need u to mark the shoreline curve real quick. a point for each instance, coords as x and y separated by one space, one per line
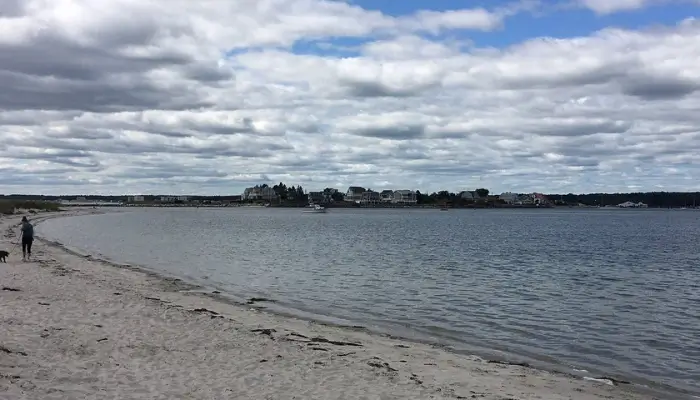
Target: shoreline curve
493 367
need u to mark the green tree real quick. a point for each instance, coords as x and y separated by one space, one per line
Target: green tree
334 194
443 194
337 196
281 190
420 197
482 192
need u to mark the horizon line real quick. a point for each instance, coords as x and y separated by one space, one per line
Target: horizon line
697 192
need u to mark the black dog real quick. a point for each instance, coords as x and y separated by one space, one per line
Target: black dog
3 255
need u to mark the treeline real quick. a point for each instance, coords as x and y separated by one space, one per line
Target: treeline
298 194
147 198
652 199
447 197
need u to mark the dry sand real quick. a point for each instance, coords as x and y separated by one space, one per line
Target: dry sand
76 328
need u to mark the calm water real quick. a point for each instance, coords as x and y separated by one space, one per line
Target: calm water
611 291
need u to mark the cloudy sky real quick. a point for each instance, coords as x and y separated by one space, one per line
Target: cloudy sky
211 96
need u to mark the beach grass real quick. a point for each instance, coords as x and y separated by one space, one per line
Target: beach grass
9 207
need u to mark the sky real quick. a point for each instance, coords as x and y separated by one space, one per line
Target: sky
209 97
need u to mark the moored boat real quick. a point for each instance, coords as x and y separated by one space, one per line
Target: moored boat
315 209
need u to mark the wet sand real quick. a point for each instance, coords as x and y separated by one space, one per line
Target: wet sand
72 327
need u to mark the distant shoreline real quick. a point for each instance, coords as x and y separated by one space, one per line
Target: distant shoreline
372 207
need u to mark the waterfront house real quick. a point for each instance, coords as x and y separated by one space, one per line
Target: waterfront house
251 193
405 197
630 204
469 195
317 197
466 195
135 199
259 193
174 199
354 193
331 194
370 197
540 199
386 196
509 197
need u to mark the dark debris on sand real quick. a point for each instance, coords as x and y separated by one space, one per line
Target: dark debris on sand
320 339
382 365
254 300
205 310
264 331
517 364
7 350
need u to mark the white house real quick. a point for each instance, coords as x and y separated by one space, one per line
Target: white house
405 197
135 199
354 193
469 195
540 199
370 197
509 197
526 199
259 193
386 196
629 204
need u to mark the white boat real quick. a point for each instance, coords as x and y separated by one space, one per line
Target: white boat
315 209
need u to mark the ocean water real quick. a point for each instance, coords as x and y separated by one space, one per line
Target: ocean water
613 292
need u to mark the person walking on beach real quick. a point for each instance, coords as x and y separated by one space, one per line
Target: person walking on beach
27 238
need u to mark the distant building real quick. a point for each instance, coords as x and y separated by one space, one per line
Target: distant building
317 197
173 199
509 197
331 194
405 197
259 193
469 195
135 199
466 195
540 199
525 199
354 193
369 197
386 196
629 204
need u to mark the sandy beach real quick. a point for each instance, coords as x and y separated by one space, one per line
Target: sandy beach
77 328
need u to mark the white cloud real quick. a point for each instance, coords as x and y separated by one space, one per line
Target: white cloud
611 6
434 21
184 97
607 7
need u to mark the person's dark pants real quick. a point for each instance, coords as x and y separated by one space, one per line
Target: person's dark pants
27 246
